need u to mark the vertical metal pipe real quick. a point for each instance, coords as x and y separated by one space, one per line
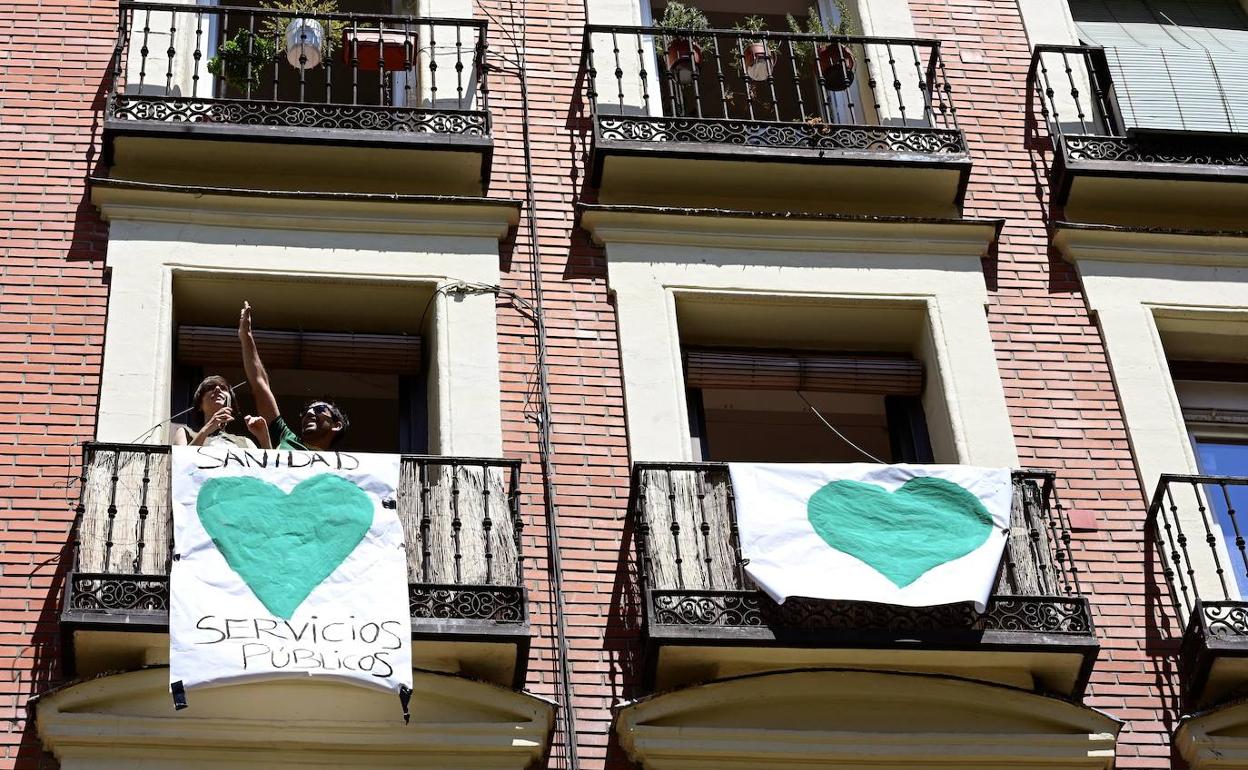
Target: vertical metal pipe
456 522
355 61
1171 543
198 55
675 528
797 80
720 77
708 582
517 522
171 52
426 520
1239 538
1074 93
112 510
619 70
143 511
381 64
924 85
1181 538
901 95
144 50
1211 539
487 524
433 66
459 66
739 47
641 73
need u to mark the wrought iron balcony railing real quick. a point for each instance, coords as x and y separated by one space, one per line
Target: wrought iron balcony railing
1199 525
247 68
694 575
770 90
460 516
1092 118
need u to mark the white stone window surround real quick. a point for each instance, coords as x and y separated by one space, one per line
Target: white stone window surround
1136 282
149 244
649 271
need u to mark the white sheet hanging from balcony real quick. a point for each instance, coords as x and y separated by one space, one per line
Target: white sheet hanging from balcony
1177 64
913 535
287 564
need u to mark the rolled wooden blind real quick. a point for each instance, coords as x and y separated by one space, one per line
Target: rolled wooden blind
802 370
365 353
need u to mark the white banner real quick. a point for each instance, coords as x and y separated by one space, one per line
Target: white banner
913 535
287 564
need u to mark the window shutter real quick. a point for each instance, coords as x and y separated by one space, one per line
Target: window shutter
210 346
1177 64
801 370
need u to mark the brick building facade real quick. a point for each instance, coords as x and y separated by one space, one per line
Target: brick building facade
1029 215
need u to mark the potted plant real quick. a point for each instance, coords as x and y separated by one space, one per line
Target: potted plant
757 53
683 51
307 39
240 59
835 60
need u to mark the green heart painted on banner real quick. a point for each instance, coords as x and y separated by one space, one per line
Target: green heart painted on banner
283 545
925 523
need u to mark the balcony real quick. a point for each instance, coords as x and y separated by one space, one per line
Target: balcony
1170 157
330 101
772 121
705 620
1196 536
462 521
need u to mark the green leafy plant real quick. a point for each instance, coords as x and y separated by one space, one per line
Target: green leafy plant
804 50
678 16
240 60
753 25
274 27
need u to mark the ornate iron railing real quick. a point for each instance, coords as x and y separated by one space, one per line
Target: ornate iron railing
769 89
460 516
232 66
1199 525
694 574
1073 91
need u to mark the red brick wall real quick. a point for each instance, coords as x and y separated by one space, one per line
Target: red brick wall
1053 365
52 309
53 59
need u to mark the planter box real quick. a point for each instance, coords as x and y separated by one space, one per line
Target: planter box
394 47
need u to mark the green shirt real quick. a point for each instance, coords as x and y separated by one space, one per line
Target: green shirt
282 436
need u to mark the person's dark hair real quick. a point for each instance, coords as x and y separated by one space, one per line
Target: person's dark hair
335 413
208 384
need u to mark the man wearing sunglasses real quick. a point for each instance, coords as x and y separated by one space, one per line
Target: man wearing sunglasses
321 423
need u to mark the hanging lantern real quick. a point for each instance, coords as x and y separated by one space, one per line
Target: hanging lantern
304 40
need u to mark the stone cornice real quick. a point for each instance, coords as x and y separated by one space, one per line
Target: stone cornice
292 210
1140 244
787 231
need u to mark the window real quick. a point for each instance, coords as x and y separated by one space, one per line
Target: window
1177 64
804 406
1216 414
357 345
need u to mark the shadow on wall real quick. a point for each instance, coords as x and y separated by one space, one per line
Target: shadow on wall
622 639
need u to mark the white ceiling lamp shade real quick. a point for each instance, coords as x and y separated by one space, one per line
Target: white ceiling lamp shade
305 38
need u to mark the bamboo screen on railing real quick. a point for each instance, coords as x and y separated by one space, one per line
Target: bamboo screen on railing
746 368
686 521
459 516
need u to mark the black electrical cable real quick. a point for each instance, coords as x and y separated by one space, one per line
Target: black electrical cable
544 417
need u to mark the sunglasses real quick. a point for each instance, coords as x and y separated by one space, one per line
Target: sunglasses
320 408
